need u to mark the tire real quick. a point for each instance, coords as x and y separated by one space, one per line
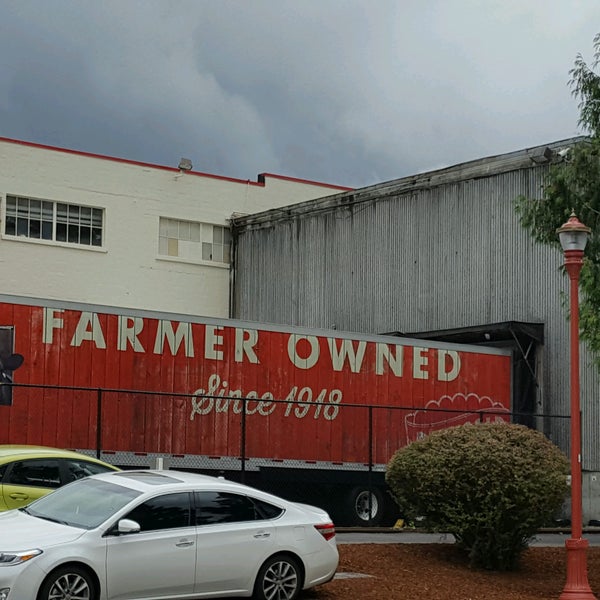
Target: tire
68 583
357 506
280 578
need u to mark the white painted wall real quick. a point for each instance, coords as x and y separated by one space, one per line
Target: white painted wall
127 271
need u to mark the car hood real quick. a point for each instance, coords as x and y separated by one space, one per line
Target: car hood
20 531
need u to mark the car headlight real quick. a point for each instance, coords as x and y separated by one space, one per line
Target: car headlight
16 558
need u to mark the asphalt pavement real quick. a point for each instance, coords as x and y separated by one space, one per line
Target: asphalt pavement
555 538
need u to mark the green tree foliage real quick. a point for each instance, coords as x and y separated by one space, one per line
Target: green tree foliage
491 485
574 185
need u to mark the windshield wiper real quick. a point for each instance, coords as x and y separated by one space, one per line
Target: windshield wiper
49 519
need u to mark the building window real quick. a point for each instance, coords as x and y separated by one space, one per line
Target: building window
54 221
194 241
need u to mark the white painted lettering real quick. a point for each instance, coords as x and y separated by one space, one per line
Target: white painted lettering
420 361
346 352
309 361
51 322
129 328
452 373
394 361
213 338
174 339
245 340
89 329
217 399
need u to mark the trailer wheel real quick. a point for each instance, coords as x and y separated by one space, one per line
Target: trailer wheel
358 501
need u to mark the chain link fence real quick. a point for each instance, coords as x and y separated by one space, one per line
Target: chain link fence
314 450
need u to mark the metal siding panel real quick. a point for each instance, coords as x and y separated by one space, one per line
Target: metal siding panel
450 256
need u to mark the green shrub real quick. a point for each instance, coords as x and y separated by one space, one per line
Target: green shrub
491 485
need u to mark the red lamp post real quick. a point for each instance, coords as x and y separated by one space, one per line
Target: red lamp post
573 239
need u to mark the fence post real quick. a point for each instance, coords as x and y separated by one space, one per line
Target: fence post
370 480
98 422
243 442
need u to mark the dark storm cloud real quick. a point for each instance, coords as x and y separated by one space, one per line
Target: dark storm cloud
345 91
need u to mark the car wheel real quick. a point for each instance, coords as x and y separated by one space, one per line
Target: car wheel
364 506
280 578
68 583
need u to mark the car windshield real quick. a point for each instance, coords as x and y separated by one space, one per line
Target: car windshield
86 503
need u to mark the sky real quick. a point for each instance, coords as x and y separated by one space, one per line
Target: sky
348 92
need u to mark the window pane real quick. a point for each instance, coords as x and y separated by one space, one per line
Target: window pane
85 235
11 205
73 234
195 232
163 226
184 231
266 510
226 236
223 507
35 229
61 213
163 512
227 254
217 255
96 236
47 210
217 234
206 251
23 207
35 209
173 247
86 215
61 232
77 469
173 228
163 246
22 227
10 225
36 473
46 230
73 214
96 217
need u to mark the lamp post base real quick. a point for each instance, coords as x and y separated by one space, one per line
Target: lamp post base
577 586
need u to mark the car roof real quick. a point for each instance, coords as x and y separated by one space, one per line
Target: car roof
10 451
149 480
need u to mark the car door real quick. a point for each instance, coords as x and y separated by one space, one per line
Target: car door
26 480
234 539
159 560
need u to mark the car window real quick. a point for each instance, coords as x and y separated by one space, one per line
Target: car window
168 511
36 472
266 510
225 507
79 468
2 471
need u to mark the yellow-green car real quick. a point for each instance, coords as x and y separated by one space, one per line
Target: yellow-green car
28 472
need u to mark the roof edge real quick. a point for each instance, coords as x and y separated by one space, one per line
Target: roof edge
260 181
535 156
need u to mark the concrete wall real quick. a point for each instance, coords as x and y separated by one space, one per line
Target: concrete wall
127 270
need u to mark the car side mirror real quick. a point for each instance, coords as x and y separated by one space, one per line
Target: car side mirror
127 526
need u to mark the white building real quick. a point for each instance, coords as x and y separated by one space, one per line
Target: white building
90 228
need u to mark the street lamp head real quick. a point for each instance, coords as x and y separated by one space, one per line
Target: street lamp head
573 234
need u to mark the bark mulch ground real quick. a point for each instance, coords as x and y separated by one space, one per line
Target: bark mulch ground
438 572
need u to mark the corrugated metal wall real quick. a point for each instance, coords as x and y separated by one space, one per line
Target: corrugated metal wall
445 256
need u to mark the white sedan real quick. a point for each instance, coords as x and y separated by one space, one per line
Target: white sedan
163 534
